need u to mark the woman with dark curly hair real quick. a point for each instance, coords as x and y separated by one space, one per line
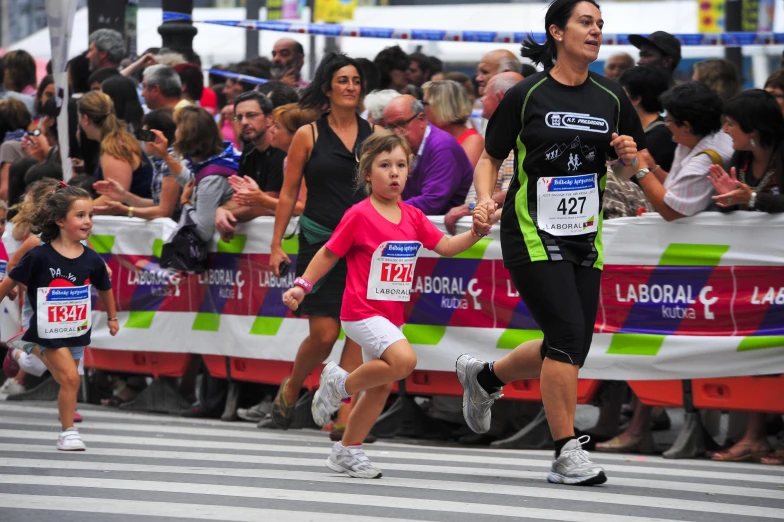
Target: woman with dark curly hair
19 72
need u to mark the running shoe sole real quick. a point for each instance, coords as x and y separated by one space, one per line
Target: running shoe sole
340 469
593 480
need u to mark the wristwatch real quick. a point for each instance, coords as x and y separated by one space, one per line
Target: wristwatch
753 200
641 173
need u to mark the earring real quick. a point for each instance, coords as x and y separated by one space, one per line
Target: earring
752 142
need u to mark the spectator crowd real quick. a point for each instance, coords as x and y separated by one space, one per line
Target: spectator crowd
156 137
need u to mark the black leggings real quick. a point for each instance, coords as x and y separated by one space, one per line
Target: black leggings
563 299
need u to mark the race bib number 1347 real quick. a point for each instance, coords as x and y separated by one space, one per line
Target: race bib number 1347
63 312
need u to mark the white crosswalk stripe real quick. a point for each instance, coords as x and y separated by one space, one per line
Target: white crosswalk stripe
142 466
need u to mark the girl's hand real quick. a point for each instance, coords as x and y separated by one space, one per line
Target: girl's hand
114 327
293 297
721 181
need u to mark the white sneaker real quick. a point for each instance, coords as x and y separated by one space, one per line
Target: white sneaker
573 466
11 387
476 401
327 398
70 441
352 460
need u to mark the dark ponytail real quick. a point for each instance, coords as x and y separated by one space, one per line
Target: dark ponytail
542 54
558 14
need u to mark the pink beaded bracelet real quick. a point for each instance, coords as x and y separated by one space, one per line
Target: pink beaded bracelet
303 283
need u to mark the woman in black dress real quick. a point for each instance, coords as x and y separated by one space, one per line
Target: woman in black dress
326 154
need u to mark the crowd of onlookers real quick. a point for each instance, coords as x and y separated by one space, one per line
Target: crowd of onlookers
156 136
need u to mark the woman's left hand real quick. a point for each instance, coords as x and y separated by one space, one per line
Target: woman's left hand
625 148
739 196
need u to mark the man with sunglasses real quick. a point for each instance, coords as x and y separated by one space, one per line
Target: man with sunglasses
440 174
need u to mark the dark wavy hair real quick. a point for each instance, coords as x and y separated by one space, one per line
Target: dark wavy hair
757 110
558 14
696 103
56 207
314 96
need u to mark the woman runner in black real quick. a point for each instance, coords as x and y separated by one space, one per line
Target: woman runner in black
565 124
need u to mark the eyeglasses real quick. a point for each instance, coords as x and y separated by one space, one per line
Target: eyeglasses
401 125
247 116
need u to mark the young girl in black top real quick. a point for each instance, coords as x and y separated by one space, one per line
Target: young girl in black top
58 276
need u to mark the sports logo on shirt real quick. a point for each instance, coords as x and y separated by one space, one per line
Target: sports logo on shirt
576 121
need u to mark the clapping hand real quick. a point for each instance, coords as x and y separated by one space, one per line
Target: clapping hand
721 181
246 190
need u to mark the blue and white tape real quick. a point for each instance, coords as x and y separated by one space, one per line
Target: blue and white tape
440 35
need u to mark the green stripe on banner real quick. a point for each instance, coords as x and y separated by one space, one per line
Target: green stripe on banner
290 246
636 344
206 322
102 244
683 254
266 326
512 338
477 251
424 333
235 246
760 342
140 319
157 248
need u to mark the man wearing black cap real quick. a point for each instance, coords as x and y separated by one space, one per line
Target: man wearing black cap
660 49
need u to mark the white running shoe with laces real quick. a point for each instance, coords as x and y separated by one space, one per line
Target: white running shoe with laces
476 401
352 460
70 441
327 398
574 467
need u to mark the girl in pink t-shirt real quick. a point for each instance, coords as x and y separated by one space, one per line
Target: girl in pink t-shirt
381 238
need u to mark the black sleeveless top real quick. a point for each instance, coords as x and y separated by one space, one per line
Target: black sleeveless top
330 174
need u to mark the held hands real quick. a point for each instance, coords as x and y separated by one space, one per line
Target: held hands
293 296
625 149
483 215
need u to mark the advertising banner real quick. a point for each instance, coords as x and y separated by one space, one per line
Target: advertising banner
703 297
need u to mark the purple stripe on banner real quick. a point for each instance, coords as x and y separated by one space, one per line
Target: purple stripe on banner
428 309
148 297
273 306
222 267
522 319
773 323
649 317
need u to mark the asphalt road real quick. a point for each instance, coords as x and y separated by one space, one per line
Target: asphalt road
159 468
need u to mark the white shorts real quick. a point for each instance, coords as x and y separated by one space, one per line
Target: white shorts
374 335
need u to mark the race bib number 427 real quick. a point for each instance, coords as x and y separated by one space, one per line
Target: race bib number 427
568 205
63 312
392 270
